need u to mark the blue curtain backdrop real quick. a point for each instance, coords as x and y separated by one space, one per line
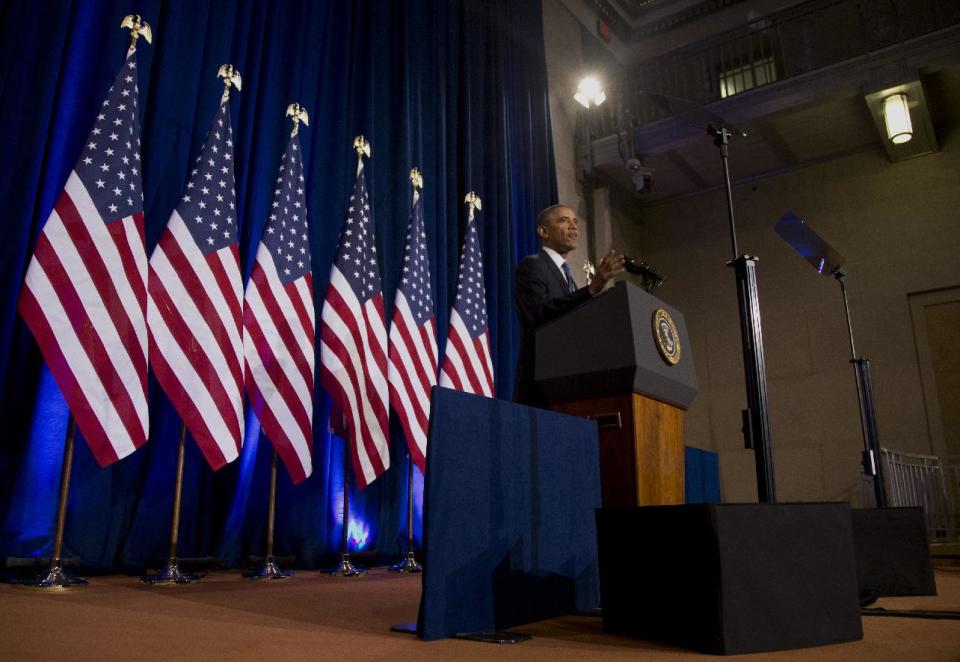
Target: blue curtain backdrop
456 87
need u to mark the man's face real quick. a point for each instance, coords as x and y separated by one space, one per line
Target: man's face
560 230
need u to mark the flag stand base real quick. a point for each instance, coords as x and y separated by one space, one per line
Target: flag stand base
269 570
55 578
169 575
345 568
409 565
494 637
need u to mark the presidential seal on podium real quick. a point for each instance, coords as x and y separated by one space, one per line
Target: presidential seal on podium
667 337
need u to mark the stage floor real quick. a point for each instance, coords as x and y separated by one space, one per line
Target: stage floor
316 617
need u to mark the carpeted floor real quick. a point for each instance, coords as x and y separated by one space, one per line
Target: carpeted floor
316 617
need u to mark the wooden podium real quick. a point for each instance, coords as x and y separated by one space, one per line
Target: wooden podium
623 359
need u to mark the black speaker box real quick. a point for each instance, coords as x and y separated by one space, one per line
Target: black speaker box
732 578
893 557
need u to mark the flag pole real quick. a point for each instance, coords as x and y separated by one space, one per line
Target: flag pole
346 568
171 573
409 564
55 578
270 569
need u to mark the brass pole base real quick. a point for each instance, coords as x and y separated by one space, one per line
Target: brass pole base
409 564
345 568
169 575
269 570
55 579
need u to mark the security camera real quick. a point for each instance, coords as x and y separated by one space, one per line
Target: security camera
642 182
641 175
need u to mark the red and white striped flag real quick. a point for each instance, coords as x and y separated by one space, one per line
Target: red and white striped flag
353 340
195 294
412 370
278 323
467 365
84 295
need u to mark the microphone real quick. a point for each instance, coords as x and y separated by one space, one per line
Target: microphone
651 279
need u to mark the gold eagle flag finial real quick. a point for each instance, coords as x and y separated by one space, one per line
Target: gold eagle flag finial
416 181
231 77
138 27
362 147
299 114
473 204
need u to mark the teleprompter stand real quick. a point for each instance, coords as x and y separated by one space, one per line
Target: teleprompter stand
828 262
756 420
868 415
892 552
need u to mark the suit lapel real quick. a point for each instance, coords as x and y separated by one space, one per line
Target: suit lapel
558 278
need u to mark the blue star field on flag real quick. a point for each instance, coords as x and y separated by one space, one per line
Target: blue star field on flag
285 234
109 165
415 281
471 294
209 205
357 257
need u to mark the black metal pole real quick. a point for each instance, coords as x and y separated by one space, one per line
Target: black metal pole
868 417
722 140
841 277
756 420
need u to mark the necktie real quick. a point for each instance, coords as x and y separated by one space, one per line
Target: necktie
571 286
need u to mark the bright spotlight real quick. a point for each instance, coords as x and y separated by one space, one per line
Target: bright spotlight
589 91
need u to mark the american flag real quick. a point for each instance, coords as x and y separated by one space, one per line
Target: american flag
412 371
195 293
278 323
467 365
84 295
353 340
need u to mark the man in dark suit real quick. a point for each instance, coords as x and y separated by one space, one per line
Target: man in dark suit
545 290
